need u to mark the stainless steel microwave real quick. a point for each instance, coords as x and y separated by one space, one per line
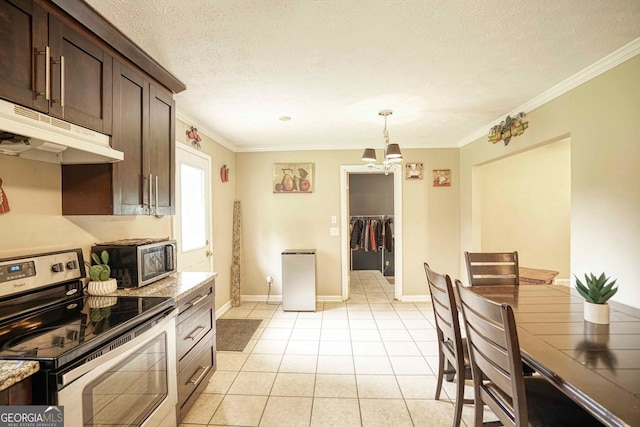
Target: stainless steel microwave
138 262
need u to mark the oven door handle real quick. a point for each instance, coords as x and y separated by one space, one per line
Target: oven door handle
77 372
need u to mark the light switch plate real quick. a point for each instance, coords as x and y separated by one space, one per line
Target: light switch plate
334 219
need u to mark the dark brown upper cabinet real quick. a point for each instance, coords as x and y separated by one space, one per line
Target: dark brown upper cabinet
81 78
23 49
161 150
48 65
144 129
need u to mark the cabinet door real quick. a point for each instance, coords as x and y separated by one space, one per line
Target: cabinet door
23 33
161 150
130 131
81 74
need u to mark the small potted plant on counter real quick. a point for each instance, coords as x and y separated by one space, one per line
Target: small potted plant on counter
596 292
101 282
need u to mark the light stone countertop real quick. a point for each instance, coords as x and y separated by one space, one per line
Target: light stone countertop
176 286
14 371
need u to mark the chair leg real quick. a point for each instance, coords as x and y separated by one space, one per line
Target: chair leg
440 374
478 407
459 400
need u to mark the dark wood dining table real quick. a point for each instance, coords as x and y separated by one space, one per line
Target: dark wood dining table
598 366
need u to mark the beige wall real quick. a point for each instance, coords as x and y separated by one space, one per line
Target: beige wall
274 222
601 117
35 222
222 196
526 206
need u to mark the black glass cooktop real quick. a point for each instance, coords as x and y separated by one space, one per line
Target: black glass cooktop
71 329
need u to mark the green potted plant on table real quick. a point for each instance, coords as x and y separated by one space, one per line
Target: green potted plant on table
596 291
101 282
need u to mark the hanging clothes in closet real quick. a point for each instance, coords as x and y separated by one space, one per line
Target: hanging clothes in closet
388 234
371 233
371 242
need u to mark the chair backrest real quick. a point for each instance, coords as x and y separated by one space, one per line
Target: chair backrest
492 268
495 357
445 310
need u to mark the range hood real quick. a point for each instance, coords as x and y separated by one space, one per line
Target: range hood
36 136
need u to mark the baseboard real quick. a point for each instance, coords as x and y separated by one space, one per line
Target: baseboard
222 310
260 298
278 298
329 298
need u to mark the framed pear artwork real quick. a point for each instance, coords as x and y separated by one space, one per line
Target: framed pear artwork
293 178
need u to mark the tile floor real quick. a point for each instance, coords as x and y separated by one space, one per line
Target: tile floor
367 362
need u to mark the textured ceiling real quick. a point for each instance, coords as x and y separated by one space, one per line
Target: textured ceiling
446 68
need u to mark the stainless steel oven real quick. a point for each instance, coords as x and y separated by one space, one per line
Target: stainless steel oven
108 360
131 385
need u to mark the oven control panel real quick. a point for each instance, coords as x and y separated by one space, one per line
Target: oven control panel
17 270
33 272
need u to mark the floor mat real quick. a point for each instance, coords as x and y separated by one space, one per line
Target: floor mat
234 334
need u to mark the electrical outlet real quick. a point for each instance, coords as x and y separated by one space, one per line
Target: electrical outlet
386 263
269 281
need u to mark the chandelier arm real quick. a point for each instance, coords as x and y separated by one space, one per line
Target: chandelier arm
385 133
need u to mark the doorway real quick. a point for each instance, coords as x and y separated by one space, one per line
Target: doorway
371 222
524 203
345 173
192 221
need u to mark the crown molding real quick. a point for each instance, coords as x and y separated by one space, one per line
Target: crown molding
614 59
189 120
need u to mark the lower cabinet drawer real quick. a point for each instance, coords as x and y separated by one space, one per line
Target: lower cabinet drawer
192 329
194 372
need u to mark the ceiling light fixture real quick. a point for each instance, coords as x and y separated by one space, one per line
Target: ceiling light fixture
392 154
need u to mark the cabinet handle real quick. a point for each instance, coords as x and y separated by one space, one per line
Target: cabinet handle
61 62
150 193
156 209
47 73
202 370
194 333
62 81
197 300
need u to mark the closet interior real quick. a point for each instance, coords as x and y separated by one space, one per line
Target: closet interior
371 239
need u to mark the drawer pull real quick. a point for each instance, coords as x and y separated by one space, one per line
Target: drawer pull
194 333
202 370
197 300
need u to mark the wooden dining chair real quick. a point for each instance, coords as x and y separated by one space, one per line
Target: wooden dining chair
492 268
451 346
498 380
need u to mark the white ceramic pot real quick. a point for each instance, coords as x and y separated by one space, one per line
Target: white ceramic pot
596 313
104 287
101 302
